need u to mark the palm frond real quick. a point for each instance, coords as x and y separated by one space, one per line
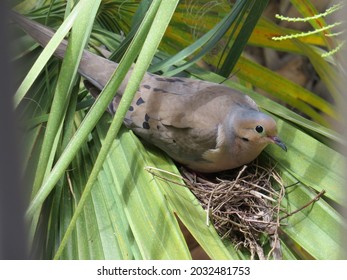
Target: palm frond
92 197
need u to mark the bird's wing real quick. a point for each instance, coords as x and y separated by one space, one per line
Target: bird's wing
185 123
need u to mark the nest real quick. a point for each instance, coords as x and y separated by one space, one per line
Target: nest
243 206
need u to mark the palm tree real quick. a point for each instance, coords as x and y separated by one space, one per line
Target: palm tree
92 196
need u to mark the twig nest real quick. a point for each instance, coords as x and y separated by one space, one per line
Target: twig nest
243 205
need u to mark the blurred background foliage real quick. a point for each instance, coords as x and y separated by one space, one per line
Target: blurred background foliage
125 213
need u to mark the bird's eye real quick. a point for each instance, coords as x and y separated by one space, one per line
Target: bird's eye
259 129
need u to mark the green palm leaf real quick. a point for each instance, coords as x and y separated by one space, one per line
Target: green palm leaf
95 198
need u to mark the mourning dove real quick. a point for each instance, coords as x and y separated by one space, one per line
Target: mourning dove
205 126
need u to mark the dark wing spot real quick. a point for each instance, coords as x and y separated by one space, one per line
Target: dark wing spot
140 101
159 90
146 118
147 86
179 80
131 108
145 125
169 80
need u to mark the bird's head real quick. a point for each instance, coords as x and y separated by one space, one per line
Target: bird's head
256 129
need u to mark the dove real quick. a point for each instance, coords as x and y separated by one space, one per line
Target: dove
204 126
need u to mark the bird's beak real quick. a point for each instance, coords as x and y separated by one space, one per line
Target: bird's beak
276 140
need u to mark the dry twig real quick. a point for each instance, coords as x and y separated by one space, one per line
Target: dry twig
242 205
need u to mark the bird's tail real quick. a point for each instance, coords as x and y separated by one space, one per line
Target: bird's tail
96 69
40 33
